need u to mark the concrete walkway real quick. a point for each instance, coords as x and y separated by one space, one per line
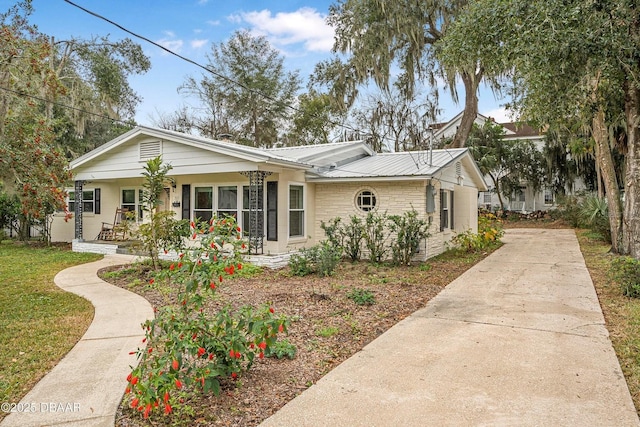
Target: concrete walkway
86 387
517 340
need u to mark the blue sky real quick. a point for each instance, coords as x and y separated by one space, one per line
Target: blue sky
189 27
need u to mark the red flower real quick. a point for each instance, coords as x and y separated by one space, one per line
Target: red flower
232 353
238 355
199 262
262 345
210 356
201 351
151 281
238 228
178 384
194 235
261 355
181 255
239 266
129 376
280 328
194 336
150 350
147 410
244 246
179 265
127 390
134 380
213 245
215 258
234 375
271 310
167 409
192 224
220 278
172 267
175 365
134 402
211 228
166 251
166 396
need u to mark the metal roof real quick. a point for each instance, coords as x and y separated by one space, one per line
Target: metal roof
395 165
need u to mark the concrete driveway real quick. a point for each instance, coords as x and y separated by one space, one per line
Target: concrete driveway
519 339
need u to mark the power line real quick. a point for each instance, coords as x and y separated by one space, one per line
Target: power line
228 79
28 95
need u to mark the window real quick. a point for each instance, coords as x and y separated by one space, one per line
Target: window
131 200
520 194
296 211
203 204
227 201
444 209
548 196
487 197
88 201
366 200
246 209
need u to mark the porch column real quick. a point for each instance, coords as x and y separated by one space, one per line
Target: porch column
256 210
77 211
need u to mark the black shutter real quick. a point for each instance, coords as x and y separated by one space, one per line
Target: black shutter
451 212
272 211
96 201
442 216
186 201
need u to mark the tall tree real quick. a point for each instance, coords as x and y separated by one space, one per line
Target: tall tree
378 35
314 120
248 93
572 61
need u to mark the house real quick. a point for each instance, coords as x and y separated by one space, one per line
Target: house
526 200
280 196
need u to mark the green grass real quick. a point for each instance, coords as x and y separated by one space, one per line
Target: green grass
622 314
39 323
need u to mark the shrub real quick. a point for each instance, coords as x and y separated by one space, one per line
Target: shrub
594 214
302 263
489 234
410 231
362 296
626 271
375 236
189 351
333 232
352 236
322 259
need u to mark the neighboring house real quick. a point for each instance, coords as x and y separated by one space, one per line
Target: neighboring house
280 196
526 200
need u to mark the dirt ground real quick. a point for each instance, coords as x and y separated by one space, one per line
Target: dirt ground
326 328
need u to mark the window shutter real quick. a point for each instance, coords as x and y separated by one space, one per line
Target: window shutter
96 201
442 218
451 211
272 211
186 201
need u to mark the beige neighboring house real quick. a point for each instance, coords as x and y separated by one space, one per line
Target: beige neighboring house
526 200
280 196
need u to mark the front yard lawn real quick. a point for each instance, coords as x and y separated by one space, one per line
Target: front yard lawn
39 322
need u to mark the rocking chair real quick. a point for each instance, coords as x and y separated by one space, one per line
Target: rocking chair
114 231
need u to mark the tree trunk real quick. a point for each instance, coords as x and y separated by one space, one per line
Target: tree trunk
471 82
604 161
631 223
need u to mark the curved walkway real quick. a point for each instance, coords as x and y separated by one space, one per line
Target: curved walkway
86 387
519 339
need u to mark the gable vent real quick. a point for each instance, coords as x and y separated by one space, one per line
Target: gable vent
458 168
150 149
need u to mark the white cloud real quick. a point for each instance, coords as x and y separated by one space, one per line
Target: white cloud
500 115
213 23
198 43
203 2
306 26
172 45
